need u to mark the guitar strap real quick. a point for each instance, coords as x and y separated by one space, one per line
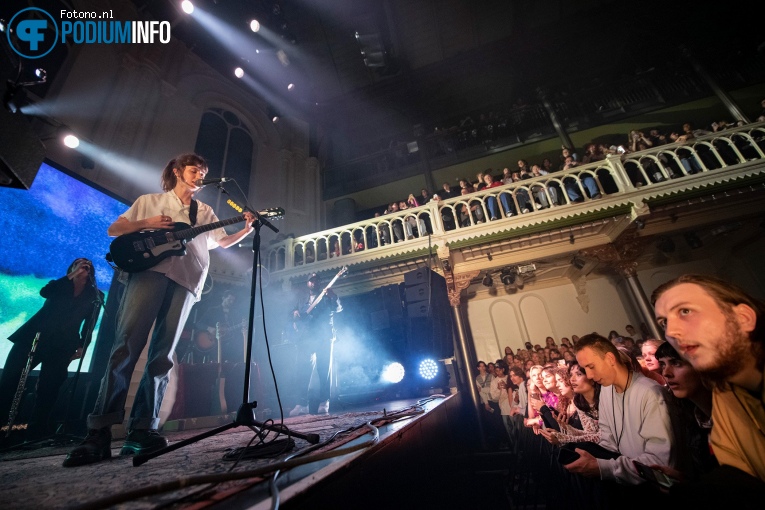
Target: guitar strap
193 208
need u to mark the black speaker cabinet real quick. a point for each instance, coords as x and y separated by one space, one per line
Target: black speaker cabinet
21 152
428 314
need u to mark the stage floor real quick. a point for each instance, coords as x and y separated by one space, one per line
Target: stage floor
34 478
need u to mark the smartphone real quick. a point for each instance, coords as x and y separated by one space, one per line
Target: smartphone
653 475
566 456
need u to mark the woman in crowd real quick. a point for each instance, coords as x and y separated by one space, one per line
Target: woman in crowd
483 381
586 397
648 350
536 393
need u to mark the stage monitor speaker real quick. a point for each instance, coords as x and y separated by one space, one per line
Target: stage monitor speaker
21 151
429 319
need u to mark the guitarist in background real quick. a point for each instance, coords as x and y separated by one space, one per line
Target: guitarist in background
164 293
316 335
224 324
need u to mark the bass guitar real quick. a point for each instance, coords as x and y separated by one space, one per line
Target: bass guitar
304 314
139 251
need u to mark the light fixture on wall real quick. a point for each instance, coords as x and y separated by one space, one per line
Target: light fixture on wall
578 262
487 281
508 276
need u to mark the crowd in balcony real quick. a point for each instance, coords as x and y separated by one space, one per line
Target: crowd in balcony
576 187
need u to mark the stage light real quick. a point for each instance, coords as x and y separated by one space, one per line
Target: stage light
254 25
428 369
693 241
291 86
487 281
187 6
393 373
578 262
71 141
238 72
275 119
41 73
508 276
2 25
640 224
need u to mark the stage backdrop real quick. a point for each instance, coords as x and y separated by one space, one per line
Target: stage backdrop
59 219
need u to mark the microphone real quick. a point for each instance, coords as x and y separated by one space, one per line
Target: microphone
205 182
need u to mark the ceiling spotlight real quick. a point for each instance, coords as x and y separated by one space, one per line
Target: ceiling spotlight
71 141
578 262
2 25
666 245
393 373
275 119
640 224
254 25
187 6
571 238
238 72
693 240
428 369
291 86
487 281
41 73
508 276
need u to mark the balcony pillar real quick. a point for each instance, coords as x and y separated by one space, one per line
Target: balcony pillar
562 134
464 353
735 111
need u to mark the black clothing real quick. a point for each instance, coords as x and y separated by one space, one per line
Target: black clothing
315 335
65 323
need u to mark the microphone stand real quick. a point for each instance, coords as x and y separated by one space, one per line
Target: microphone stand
245 416
61 438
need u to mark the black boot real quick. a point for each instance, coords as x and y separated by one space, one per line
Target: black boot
142 441
96 447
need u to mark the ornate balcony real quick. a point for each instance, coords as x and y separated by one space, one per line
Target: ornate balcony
619 188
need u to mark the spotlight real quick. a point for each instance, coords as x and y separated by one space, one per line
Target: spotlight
428 369
15 97
187 6
275 119
666 245
238 72
254 25
487 281
578 262
41 73
393 373
71 141
291 86
571 238
640 224
509 276
694 241
2 25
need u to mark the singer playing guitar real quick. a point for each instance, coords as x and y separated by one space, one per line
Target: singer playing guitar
165 293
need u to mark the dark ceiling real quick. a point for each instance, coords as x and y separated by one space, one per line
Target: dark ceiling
430 61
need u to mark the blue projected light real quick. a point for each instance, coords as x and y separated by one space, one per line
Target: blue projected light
46 227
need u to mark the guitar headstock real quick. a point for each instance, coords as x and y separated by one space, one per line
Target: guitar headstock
343 270
272 213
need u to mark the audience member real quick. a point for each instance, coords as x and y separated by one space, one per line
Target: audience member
633 417
719 329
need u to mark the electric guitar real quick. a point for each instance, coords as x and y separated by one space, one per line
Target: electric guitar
305 313
139 251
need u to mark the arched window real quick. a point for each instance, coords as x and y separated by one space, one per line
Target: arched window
226 144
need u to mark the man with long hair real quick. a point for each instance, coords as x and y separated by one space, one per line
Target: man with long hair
718 328
161 296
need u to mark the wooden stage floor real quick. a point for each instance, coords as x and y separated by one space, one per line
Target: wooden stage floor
355 442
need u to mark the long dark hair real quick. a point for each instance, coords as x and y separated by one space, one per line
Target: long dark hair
169 179
580 402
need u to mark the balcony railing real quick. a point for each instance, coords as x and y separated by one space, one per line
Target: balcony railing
613 181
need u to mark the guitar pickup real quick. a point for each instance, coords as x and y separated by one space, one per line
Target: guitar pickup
139 245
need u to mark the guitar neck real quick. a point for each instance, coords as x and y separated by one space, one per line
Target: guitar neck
330 284
190 233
